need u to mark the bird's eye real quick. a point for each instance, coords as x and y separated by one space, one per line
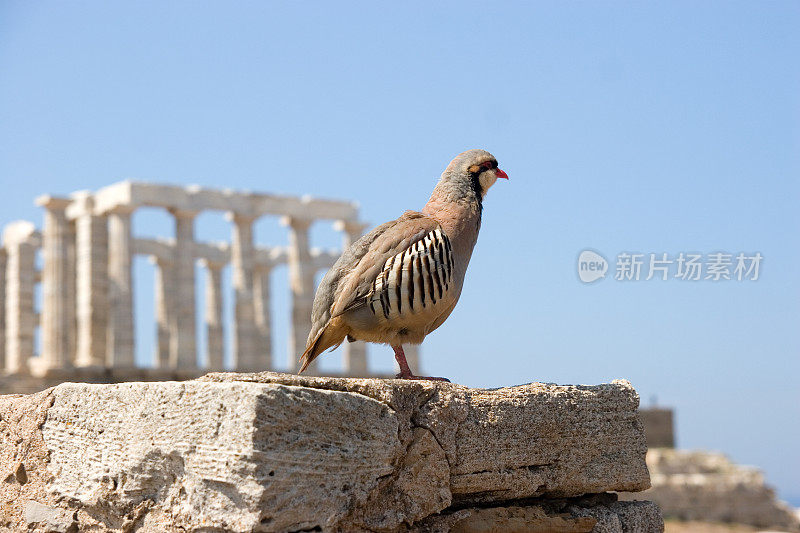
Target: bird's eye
489 164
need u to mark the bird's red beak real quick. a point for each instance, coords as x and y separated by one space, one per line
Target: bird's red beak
500 174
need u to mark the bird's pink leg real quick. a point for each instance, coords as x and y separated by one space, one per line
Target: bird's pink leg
405 371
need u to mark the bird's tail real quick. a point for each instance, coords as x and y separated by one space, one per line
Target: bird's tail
333 334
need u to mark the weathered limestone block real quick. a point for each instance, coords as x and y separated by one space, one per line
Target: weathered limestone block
542 439
227 455
275 452
599 513
556 440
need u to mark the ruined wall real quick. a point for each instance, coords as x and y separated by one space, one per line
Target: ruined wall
707 486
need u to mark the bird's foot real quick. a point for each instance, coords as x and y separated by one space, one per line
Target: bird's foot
401 375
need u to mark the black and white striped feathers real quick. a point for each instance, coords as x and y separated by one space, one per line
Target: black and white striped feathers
415 279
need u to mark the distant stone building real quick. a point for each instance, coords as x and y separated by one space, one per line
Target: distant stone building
85 321
705 485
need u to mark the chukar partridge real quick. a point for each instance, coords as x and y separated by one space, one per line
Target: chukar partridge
400 281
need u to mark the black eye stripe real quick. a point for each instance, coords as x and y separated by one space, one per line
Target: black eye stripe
486 165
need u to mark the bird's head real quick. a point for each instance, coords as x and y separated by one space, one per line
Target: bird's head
476 169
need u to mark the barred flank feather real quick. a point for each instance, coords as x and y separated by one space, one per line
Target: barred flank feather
415 279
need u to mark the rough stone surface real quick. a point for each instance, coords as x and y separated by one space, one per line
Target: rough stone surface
49 519
516 442
599 513
274 452
630 517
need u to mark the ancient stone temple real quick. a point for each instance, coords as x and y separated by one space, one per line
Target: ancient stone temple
85 319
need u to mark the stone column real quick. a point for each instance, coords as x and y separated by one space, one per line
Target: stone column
215 340
21 242
2 310
91 283
71 289
120 289
165 309
301 282
245 349
183 334
58 306
263 323
354 356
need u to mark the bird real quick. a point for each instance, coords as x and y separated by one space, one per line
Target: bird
399 282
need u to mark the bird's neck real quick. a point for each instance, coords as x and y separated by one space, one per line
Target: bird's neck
460 218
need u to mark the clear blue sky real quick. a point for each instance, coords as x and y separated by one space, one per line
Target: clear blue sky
624 127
